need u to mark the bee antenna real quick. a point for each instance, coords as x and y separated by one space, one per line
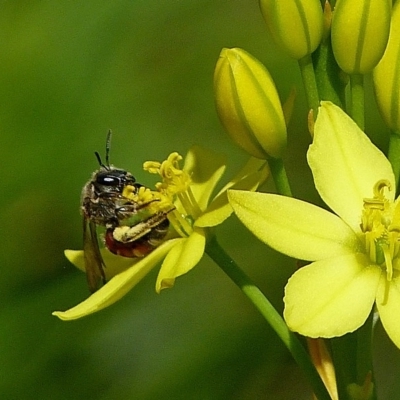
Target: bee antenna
108 147
99 160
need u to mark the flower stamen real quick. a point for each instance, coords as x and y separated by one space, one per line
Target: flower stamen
147 200
180 224
388 262
174 179
382 239
175 185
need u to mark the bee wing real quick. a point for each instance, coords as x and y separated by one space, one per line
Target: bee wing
94 264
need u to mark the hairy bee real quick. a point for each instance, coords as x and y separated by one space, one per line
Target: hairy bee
103 204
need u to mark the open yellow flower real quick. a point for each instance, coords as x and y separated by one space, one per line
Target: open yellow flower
355 250
189 189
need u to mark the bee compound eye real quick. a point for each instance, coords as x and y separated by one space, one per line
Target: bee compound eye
108 180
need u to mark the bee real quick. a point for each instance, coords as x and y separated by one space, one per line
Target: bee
103 204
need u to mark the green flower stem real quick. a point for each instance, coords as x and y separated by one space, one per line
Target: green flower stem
394 156
352 357
344 349
280 178
357 99
254 294
310 83
364 352
328 74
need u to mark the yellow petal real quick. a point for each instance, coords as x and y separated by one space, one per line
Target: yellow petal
360 31
248 104
345 164
250 177
118 286
388 303
386 76
114 264
293 227
296 26
205 169
331 297
181 259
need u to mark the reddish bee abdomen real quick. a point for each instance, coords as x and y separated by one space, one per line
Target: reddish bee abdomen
138 240
137 249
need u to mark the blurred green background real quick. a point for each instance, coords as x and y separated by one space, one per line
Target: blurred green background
69 71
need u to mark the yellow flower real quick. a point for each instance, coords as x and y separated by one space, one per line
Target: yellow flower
248 104
355 251
189 189
386 76
360 31
296 26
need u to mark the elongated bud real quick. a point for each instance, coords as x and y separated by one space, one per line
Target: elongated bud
386 76
248 104
296 26
360 31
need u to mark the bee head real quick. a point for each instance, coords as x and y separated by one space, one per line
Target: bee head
109 179
112 180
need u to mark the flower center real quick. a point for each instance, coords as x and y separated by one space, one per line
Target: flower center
175 185
381 233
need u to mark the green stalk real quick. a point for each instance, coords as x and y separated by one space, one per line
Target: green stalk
328 74
357 108
352 357
261 303
364 352
278 173
310 83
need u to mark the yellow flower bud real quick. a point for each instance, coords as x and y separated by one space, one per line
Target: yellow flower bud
296 26
360 31
248 104
386 76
